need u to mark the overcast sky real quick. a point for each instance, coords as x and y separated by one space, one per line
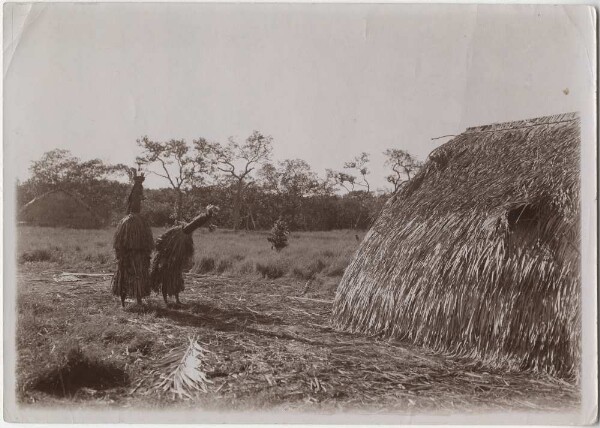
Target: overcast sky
326 81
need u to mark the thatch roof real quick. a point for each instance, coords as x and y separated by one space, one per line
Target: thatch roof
59 208
478 254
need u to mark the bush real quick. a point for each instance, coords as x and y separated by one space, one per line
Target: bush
278 236
337 268
39 255
238 257
205 265
310 270
271 269
104 258
223 265
98 258
328 253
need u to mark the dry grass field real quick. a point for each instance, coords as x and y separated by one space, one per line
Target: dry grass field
263 320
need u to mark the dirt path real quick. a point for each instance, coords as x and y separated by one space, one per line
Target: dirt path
269 348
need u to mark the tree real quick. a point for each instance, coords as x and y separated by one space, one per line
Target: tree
59 168
338 178
235 163
349 181
289 184
176 165
269 177
297 178
404 166
359 164
360 199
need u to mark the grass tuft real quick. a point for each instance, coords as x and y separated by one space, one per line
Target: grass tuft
40 255
224 265
204 265
309 270
272 269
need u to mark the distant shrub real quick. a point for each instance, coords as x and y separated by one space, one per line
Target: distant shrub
279 235
103 258
271 269
336 268
224 265
238 257
302 273
318 265
97 258
205 265
310 270
335 271
39 255
328 253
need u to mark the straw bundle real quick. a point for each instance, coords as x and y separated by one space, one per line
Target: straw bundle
174 252
478 254
133 244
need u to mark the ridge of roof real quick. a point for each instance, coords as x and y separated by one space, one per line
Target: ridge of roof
58 190
527 123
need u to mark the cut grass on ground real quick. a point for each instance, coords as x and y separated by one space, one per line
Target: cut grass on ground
269 342
268 348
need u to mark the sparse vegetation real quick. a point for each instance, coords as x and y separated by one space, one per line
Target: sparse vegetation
272 269
204 265
309 270
220 252
208 173
40 255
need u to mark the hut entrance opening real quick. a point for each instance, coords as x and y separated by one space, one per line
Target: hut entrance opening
523 227
523 217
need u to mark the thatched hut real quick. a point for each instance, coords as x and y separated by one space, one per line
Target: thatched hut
478 254
59 208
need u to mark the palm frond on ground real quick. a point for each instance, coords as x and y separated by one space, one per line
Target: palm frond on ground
180 371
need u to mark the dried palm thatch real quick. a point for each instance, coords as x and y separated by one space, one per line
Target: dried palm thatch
179 372
133 244
174 252
60 208
478 254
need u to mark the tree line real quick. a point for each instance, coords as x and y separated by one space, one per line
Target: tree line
252 189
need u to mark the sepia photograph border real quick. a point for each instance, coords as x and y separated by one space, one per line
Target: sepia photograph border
13 412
